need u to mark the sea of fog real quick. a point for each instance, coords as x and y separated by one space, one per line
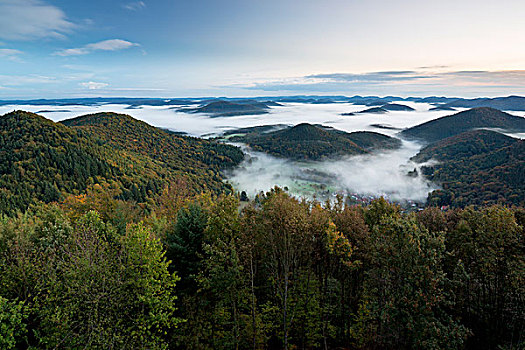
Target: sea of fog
373 175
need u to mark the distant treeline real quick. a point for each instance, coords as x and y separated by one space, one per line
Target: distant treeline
196 272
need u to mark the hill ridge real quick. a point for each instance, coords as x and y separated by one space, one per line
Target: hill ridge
481 117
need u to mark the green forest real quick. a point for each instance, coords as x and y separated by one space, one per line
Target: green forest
198 273
45 161
313 142
118 235
479 167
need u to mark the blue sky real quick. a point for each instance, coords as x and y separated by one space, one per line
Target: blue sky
170 48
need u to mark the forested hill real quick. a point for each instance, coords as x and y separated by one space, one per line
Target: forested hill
465 145
482 117
310 142
181 153
45 161
508 103
479 167
223 108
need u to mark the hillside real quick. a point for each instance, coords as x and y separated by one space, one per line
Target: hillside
397 107
383 108
228 108
376 110
478 167
310 142
508 103
198 159
464 145
44 161
442 108
179 152
444 127
370 140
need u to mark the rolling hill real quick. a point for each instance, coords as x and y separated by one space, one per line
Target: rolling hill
311 142
464 145
442 108
444 127
479 167
44 161
376 110
508 103
397 107
222 108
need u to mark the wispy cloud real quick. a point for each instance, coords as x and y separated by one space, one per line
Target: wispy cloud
434 67
20 80
134 6
106 45
10 54
371 77
92 85
32 19
510 81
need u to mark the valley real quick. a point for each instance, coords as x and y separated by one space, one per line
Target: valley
313 147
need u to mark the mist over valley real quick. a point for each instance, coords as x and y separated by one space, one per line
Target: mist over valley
359 175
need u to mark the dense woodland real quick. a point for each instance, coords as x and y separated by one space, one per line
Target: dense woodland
483 117
221 108
312 142
198 273
118 235
479 167
45 161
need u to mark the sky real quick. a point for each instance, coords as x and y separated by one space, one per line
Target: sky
196 48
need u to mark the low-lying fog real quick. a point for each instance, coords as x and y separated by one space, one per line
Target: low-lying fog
369 175
289 113
379 174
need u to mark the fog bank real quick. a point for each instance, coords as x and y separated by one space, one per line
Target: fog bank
377 174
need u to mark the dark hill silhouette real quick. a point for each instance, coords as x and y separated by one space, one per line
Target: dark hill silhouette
228 108
442 108
508 103
397 107
483 117
311 142
377 110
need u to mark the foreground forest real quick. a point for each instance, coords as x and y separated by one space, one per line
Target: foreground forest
196 272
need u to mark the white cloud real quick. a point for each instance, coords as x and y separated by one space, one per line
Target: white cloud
91 85
32 19
72 52
111 45
10 54
106 45
422 82
134 6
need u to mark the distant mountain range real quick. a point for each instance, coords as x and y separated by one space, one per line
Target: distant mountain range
510 103
482 117
313 142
